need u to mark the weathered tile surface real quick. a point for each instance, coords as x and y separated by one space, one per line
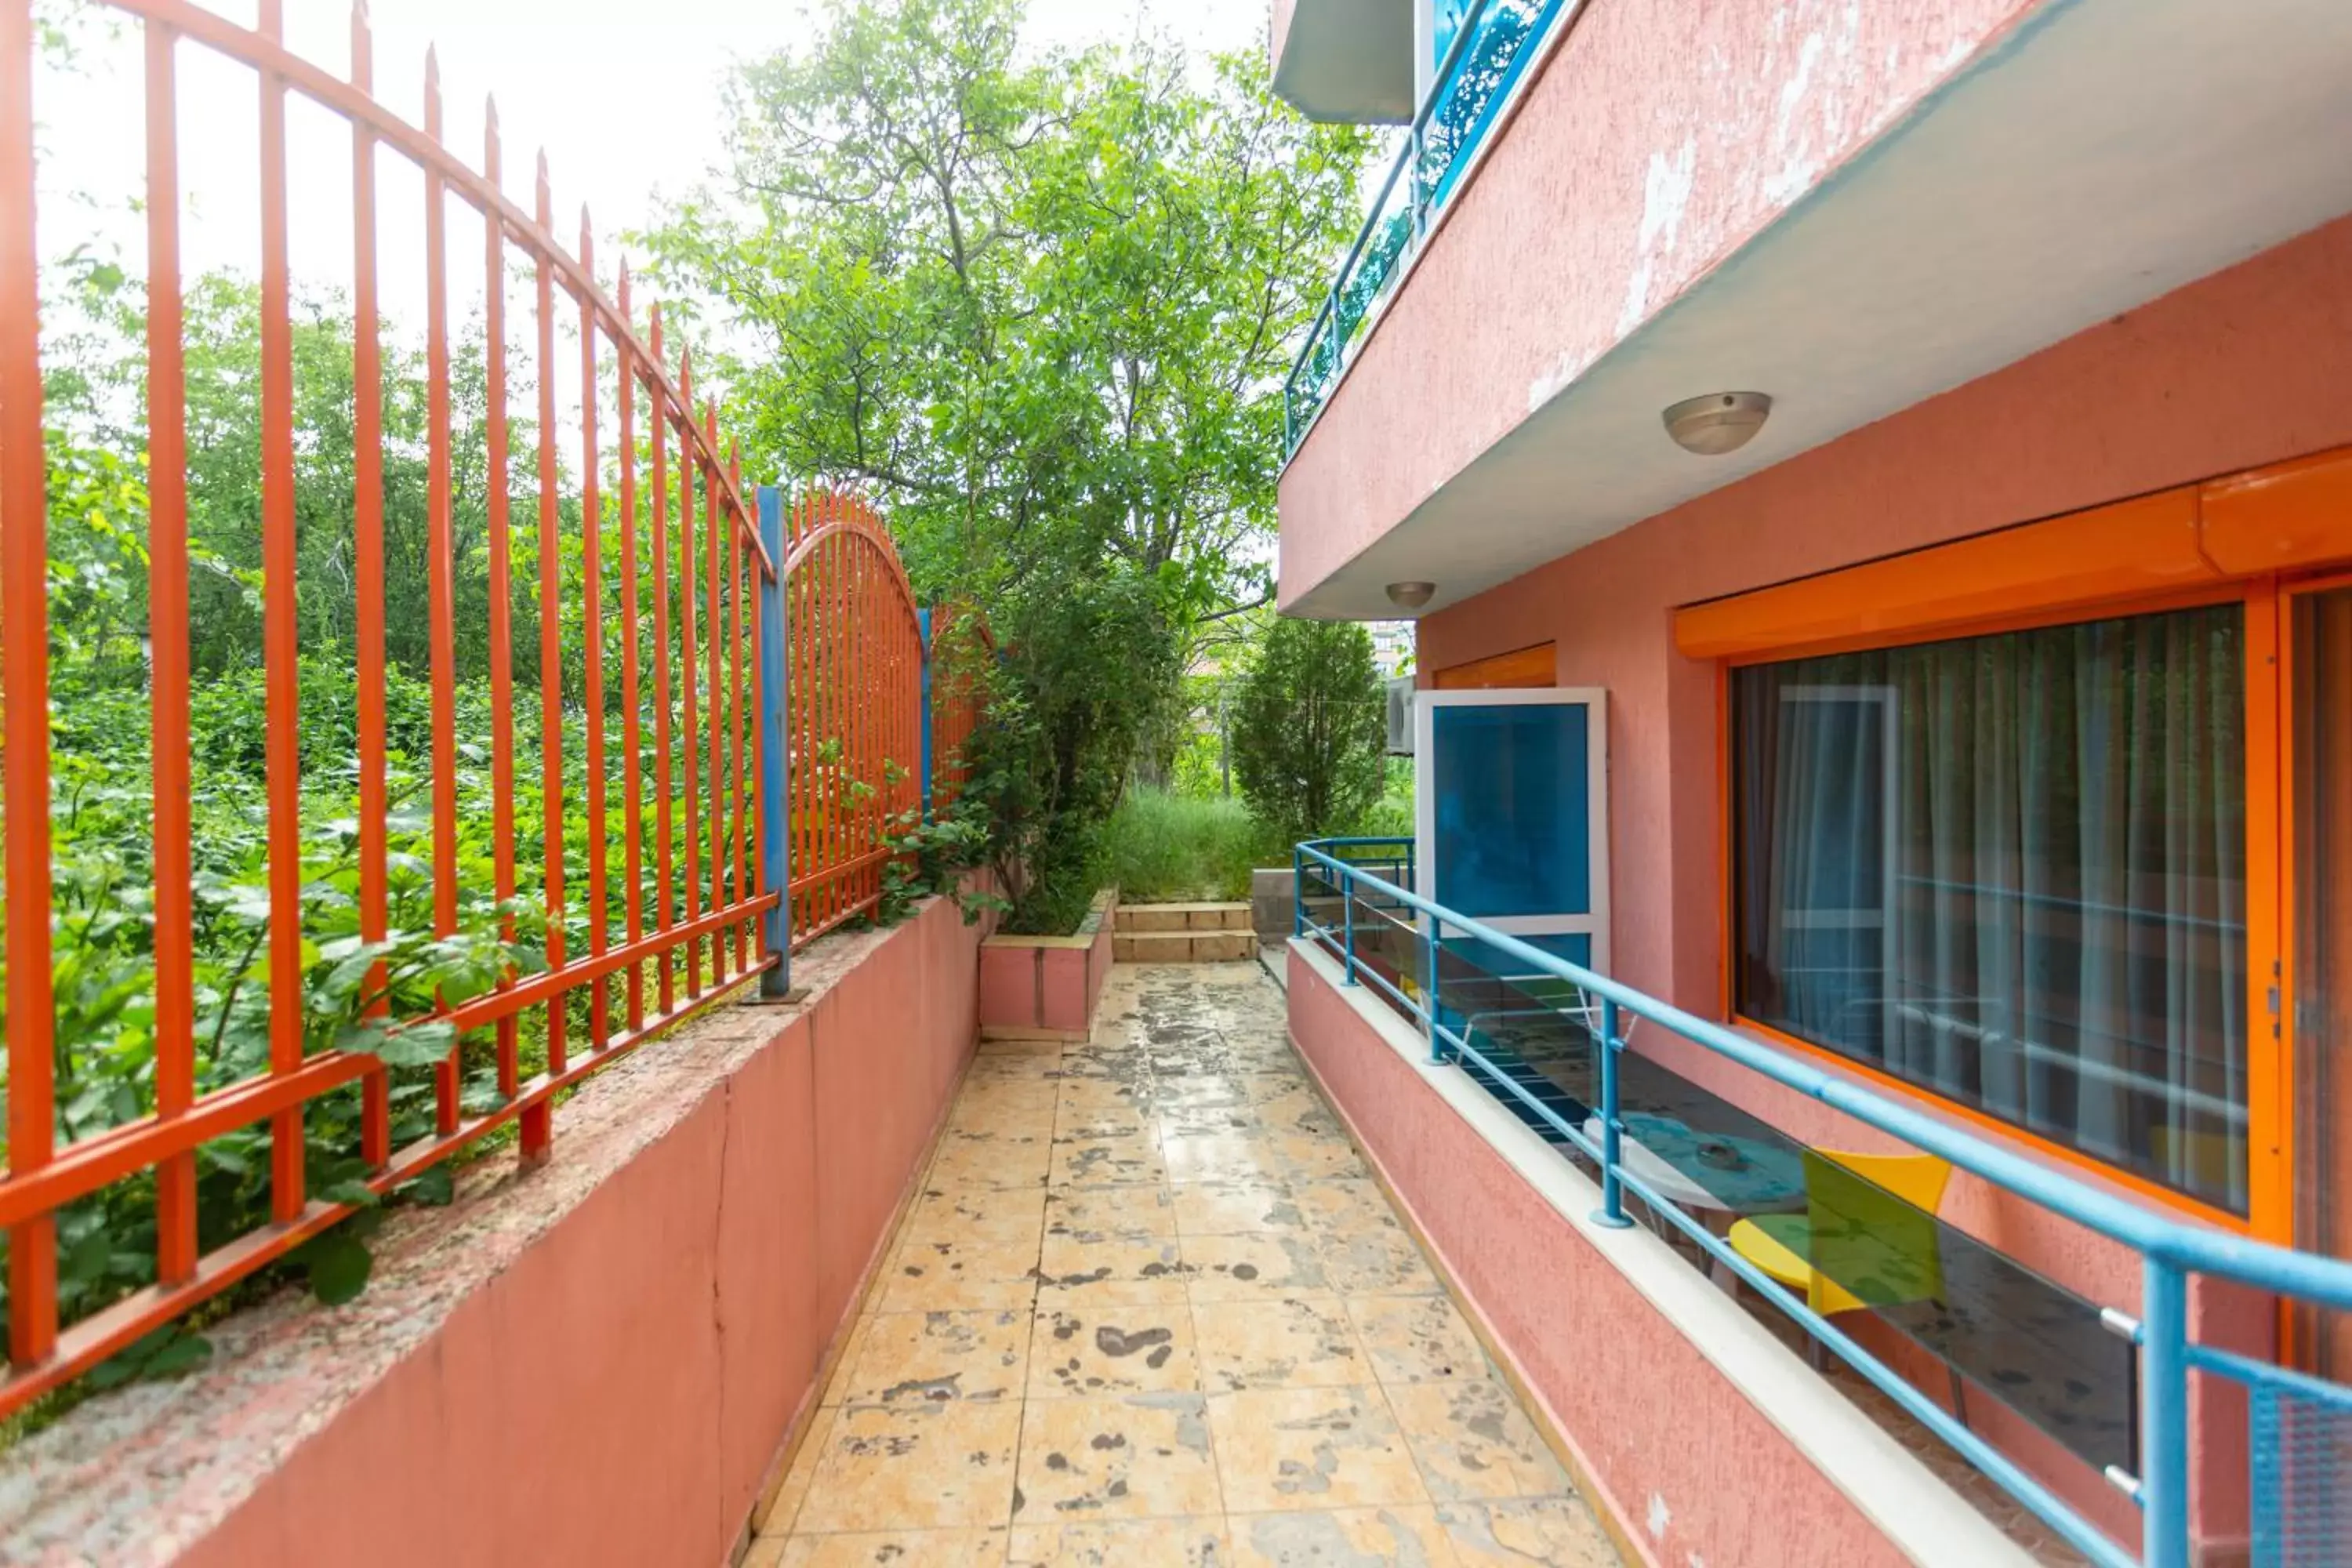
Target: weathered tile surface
1149 1310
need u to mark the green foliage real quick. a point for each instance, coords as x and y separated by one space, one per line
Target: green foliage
1039 306
1168 847
1309 727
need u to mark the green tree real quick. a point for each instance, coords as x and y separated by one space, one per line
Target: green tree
1039 307
1309 728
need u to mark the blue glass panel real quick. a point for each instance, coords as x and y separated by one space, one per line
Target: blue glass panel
1512 803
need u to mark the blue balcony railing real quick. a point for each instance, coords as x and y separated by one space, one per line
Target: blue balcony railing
1490 51
1548 1037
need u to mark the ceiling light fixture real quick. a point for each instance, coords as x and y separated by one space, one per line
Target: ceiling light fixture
1718 423
1410 596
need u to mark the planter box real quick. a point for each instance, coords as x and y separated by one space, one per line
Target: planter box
1045 988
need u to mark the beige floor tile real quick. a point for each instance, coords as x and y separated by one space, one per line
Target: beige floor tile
766 1552
909 1359
1343 1206
1298 1109
1308 1156
1092 1119
1183 1094
775 1513
968 1160
1144 1456
1375 1261
1089 1211
853 1342
897 1549
1014 1109
1235 1208
944 1274
1224 1157
1254 1268
1311 1448
1094 1272
1213 1121
1108 1163
1088 1351
1315 1538
1277 1344
947 1466
979 1214
1542 1532
1472 1441
1416 1339
1141 1543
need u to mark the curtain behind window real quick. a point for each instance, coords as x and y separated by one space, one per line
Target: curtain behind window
2012 869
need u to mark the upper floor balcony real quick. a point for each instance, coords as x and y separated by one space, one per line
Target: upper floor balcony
1601 209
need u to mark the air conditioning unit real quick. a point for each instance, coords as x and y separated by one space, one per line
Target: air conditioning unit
1401 716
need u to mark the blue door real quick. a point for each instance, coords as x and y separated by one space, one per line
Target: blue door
1511 792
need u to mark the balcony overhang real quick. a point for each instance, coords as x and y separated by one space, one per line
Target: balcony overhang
2099 155
1345 59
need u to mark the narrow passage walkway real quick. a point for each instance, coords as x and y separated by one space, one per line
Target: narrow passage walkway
1150 1309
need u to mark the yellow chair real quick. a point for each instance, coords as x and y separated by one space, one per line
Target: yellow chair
1869 1224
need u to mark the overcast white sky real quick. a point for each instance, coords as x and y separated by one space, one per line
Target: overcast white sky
622 93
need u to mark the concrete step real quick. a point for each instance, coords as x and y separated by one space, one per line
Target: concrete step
1139 918
1182 946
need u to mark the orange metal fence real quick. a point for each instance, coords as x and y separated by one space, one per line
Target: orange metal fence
962 650
703 732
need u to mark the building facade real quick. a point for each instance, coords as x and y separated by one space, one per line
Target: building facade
1977 729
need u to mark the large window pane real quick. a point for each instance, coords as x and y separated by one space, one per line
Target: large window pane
2012 869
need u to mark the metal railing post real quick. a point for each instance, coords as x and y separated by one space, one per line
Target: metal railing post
1429 987
2164 1414
1297 892
1348 917
775 767
1419 148
1613 1186
923 630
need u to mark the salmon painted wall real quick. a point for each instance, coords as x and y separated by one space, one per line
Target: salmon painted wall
601 1372
1669 169
2239 370
1702 1476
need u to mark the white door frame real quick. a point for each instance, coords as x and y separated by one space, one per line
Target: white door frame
1595 701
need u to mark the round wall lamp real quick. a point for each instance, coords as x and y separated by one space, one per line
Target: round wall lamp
1410 596
1717 423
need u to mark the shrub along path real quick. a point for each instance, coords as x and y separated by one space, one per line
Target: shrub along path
1150 1309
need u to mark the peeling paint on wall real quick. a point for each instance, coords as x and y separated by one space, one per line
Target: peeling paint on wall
1659 1517
1666 196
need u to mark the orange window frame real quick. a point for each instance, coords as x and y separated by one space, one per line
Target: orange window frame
2256 539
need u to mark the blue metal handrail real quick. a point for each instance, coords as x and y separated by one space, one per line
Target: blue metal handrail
2170 1249
1425 194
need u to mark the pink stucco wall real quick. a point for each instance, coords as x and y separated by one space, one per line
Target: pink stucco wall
1728 1486
1668 169
595 1363
2238 369
1026 986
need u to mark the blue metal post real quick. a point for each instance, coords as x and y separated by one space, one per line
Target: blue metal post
923 625
1297 892
2164 1414
1429 986
1348 915
1612 1187
775 858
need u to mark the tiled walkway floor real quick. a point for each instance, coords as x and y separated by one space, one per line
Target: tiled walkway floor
1151 1309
